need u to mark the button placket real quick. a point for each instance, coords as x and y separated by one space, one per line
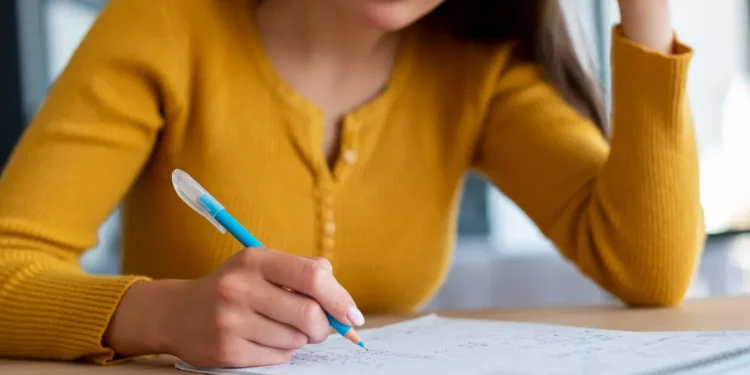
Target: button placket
327 223
348 157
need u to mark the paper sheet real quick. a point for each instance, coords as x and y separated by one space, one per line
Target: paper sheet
435 345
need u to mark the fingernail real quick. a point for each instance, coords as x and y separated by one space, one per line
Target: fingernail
355 316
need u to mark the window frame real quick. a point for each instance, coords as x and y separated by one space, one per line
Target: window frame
11 111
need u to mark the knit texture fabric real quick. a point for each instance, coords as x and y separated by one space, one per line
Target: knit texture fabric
170 84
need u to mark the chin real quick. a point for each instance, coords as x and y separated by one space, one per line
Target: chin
393 15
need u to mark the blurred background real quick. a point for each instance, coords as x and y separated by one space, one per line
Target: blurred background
500 259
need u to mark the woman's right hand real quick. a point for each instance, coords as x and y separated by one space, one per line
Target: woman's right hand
240 315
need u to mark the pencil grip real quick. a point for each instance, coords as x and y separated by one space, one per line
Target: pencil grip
339 327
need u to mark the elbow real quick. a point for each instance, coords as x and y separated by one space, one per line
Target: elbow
673 297
662 280
667 279
659 271
639 263
663 287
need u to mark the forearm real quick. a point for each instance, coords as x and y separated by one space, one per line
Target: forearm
646 206
626 212
648 22
51 309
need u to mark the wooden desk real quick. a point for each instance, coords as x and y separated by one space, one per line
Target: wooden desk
729 313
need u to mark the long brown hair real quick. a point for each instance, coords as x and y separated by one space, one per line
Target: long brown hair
539 28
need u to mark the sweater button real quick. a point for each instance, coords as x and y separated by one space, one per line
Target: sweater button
327 243
350 157
329 227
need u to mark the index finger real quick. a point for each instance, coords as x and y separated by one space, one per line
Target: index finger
312 278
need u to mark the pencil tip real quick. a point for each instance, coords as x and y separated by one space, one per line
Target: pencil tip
362 344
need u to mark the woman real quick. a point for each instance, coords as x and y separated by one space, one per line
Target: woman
338 132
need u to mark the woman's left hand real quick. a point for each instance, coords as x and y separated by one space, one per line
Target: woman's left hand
648 22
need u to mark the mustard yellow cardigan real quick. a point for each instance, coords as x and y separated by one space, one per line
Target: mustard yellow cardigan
186 84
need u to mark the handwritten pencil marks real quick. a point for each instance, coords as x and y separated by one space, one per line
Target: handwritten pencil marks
438 346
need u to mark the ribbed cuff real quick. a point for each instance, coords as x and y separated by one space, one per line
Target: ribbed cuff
61 314
649 84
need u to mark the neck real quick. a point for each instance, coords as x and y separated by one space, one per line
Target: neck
320 31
